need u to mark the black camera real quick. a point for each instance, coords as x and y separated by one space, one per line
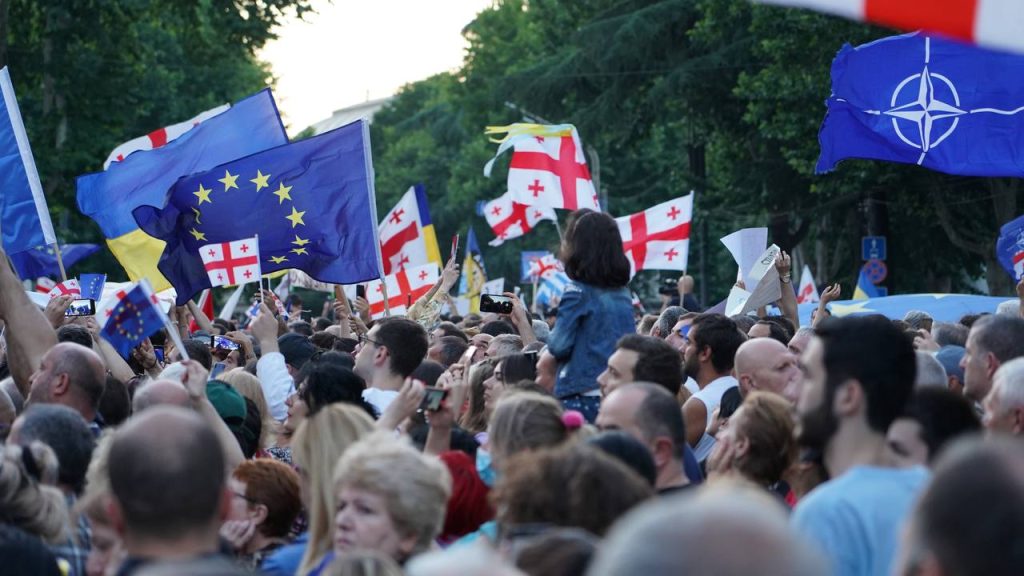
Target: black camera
669 287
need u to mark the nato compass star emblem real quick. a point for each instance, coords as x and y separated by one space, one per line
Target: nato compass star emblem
927 105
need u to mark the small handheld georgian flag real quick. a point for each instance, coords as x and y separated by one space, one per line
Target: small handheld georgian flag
808 290
403 287
66 288
231 263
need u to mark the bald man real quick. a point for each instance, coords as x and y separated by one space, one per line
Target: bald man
766 364
167 477
160 393
71 375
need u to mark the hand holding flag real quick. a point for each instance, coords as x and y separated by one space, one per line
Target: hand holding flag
135 316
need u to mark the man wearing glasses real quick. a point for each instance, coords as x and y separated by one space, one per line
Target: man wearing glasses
386 356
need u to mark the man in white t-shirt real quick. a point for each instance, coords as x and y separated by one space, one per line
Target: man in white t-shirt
386 356
711 345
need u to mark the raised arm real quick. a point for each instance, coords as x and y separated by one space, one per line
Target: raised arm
787 303
29 335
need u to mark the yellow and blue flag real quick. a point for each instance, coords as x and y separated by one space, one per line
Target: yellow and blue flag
143 178
23 213
310 202
865 290
474 275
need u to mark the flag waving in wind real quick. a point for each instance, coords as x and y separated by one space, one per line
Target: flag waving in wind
23 210
992 23
160 136
474 275
658 238
135 316
919 100
404 288
68 287
407 235
510 219
548 167
311 202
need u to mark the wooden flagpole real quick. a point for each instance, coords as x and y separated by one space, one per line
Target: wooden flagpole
60 262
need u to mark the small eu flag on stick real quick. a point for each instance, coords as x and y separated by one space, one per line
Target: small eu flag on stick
136 316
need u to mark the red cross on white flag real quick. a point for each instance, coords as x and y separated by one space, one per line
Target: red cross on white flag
404 241
510 219
404 287
231 263
548 167
66 288
658 238
160 136
808 290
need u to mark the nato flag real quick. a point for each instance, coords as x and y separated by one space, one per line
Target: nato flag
310 202
921 100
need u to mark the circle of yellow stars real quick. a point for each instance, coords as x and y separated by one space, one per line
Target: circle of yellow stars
261 181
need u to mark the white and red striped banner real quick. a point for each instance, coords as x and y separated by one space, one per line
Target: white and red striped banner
230 263
995 24
404 287
510 219
66 288
658 238
160 136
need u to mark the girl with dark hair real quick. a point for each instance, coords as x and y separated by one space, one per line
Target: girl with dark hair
595 309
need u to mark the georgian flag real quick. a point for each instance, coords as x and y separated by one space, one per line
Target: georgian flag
44 285
546 267
406 234
658 238
1018 264
510 219
66 288
231 263
808 292
404 288
992 23
160 136
548 167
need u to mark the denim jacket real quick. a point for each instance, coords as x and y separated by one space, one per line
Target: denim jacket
590 321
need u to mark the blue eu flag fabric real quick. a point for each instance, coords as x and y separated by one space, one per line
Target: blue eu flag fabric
1010 248
42 260
92 285
133 319
311 203
916 99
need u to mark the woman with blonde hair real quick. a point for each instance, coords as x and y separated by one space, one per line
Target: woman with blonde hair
28 497
319 442
249 387
389 497
758 444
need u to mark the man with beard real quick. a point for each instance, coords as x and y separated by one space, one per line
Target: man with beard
858 377
711 346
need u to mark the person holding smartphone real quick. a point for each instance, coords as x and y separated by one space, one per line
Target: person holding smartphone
595 311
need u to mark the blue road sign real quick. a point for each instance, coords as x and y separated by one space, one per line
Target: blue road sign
872 248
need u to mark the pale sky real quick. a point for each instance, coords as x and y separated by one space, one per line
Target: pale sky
354 50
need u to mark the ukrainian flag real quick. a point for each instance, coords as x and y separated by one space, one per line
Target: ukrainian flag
865 290
427 225
474 275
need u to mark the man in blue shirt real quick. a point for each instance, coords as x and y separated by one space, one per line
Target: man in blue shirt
858 376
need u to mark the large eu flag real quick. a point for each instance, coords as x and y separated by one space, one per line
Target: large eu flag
921 100
311 203
42 261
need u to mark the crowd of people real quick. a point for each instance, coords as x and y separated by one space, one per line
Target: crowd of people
584 440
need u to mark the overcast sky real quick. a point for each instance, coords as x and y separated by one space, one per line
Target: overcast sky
354 50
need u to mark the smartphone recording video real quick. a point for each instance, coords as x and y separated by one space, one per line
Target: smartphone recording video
83 307
432 401
495 303
222 343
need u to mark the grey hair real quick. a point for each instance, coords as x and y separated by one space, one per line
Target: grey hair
1009 308
1008 385
917 318
669 317
541 330
697 533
